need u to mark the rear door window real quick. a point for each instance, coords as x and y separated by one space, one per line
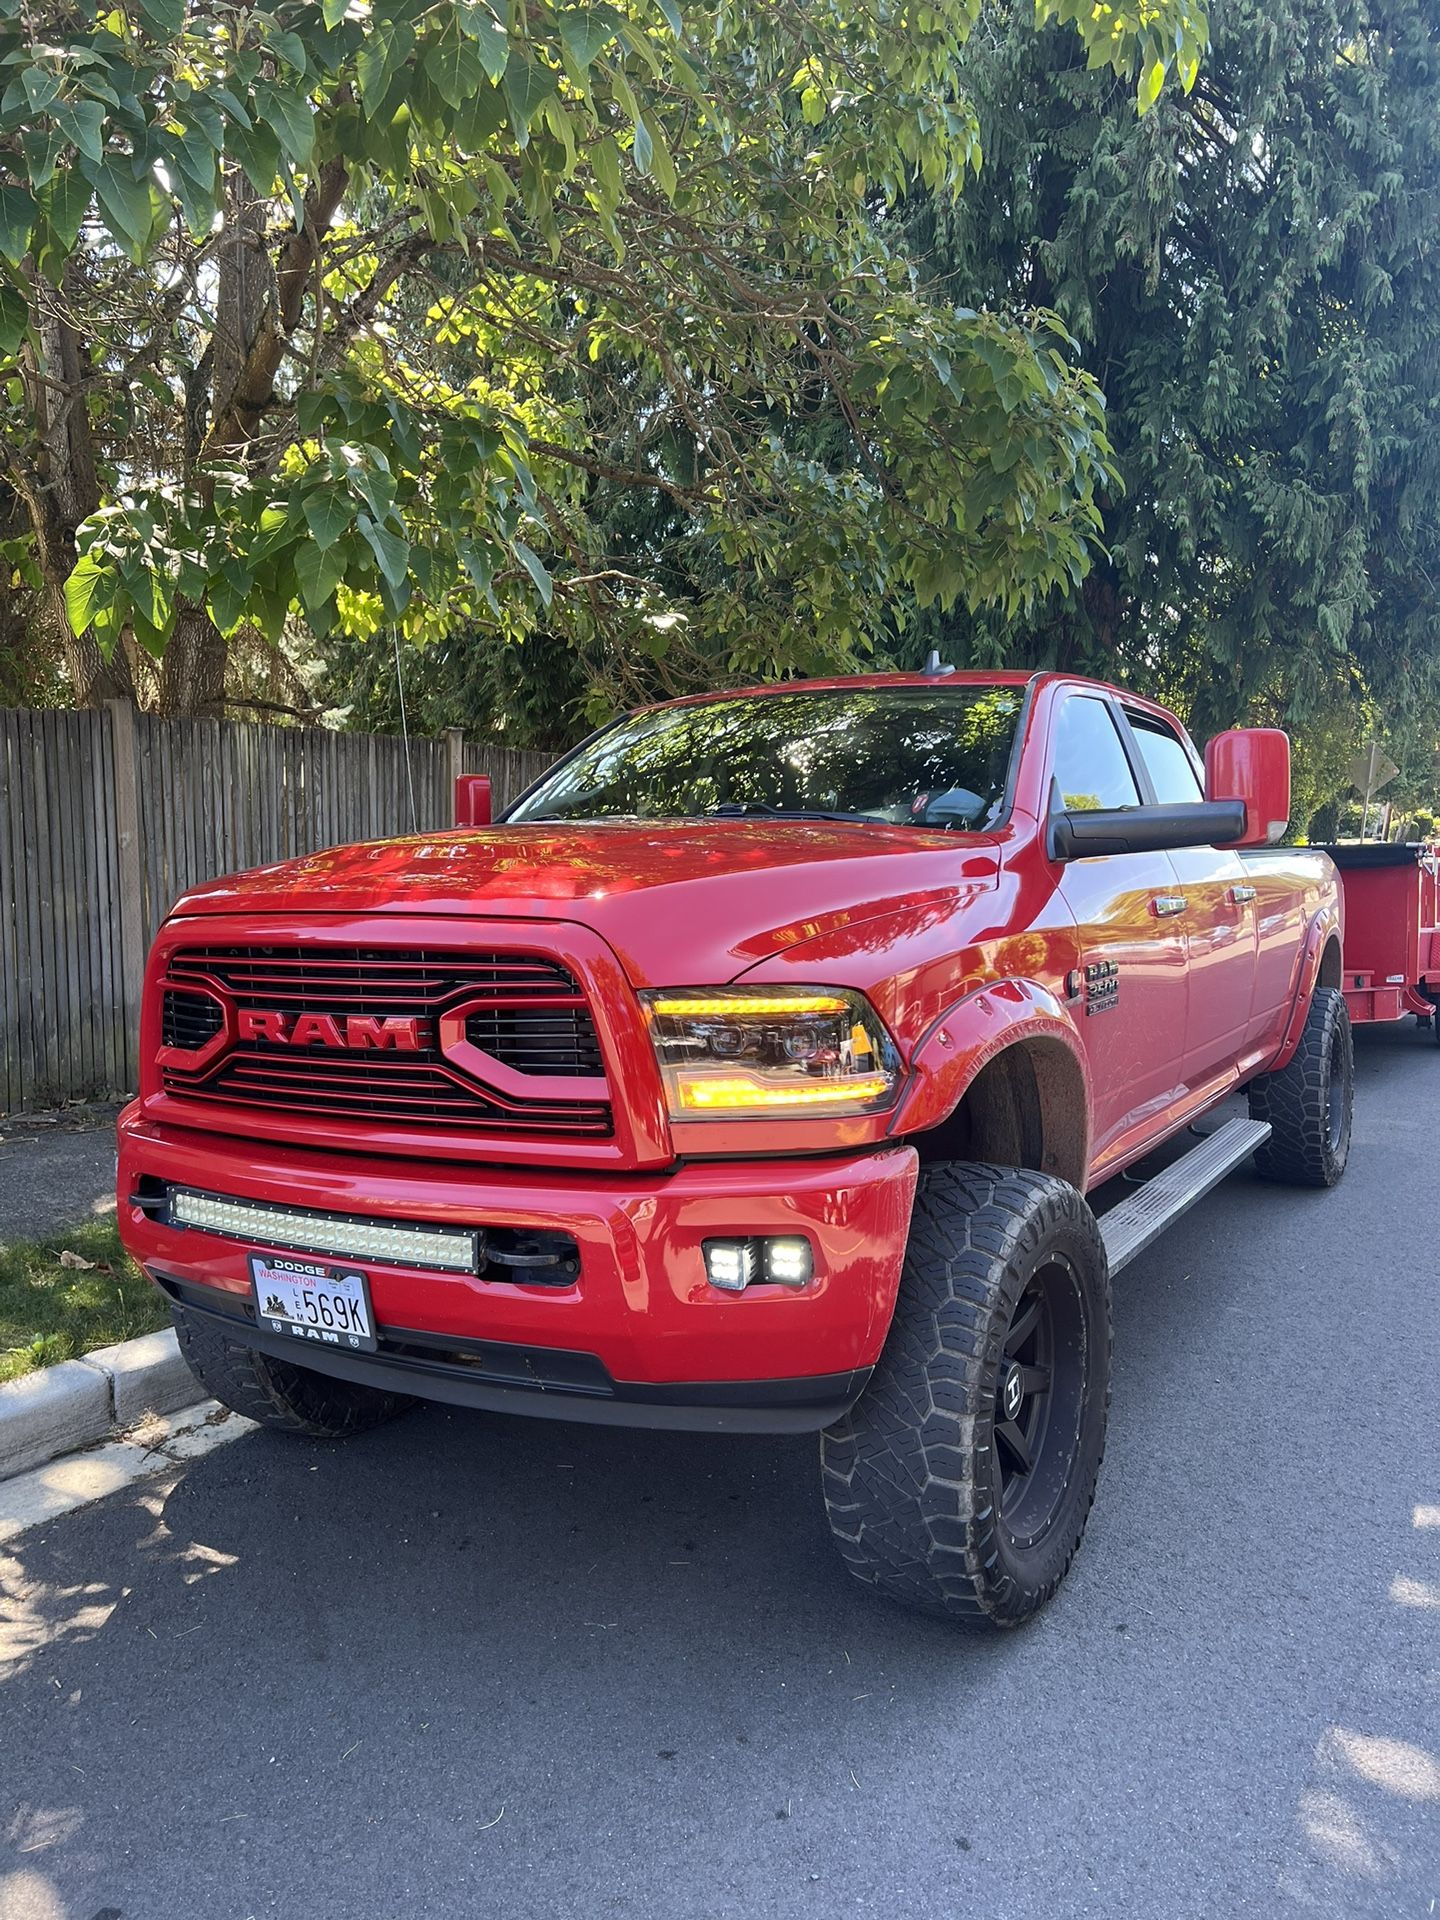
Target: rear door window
1167 761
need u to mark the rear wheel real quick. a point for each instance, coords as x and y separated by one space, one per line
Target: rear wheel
961 1481
1310 1103
276 1392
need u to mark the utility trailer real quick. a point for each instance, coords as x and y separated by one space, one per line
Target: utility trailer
1392 930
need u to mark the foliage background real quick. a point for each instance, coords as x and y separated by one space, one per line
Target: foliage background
559 356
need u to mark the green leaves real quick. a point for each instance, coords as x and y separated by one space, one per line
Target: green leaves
392 557
527 86
14 319
257 148
806 431
288 115
492 42
81 124
17 216
318 570
652 156
453 66
536 569
90 588
167 17
386 48
327 514
586 31
643 148
1143 39
132 209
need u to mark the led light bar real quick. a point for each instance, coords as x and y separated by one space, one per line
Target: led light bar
453 1248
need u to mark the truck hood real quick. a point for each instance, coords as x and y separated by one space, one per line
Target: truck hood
680 902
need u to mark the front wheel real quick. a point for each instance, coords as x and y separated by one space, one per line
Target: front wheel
961 1481
276 1392
1310 1103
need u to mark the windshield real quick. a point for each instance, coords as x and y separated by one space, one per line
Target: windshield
914 755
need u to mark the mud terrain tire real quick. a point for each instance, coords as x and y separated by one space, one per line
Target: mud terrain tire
276 1392
1310 1103
999 1351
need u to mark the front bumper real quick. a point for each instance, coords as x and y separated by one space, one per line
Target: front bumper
639 1337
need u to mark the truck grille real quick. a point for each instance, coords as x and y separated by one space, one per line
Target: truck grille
374 1046
189 1020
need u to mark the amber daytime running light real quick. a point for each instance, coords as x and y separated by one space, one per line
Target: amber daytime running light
726 1053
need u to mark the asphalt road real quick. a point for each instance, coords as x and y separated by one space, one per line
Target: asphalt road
56 1173
474 1667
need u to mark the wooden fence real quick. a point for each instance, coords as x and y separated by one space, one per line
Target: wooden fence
106 816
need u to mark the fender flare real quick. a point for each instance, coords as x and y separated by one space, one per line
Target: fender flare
984 1023
1324 927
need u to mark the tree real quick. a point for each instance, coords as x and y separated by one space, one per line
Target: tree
1252 273
289 295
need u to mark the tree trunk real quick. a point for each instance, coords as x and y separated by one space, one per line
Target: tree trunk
94 678
192 674
61 491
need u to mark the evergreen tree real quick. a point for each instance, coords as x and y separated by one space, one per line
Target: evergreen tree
1253 273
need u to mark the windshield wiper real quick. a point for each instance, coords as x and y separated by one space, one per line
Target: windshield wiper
738 809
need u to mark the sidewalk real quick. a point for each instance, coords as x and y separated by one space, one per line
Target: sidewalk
56 1171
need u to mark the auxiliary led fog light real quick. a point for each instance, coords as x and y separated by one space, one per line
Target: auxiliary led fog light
783 1260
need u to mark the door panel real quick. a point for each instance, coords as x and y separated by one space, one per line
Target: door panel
1130 1008
1280 921
1130 994
1219 923
1219 915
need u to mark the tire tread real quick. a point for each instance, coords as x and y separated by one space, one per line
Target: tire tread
906 1475
277 1393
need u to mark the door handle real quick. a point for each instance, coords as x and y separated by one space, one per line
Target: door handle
1241 894
1165 904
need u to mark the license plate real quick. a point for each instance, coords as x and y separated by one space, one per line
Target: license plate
327 1305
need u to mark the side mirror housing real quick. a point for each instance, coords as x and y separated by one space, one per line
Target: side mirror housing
1188 823
473 806
1252 764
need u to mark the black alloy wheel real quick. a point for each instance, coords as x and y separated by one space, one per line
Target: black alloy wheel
1040 1398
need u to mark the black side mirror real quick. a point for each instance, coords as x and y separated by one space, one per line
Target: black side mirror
1191 823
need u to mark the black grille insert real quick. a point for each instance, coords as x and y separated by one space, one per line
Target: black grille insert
189 1020
540 1040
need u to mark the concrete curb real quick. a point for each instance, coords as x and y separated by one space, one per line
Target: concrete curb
58 1409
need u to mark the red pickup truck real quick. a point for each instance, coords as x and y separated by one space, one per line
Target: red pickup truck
758 1073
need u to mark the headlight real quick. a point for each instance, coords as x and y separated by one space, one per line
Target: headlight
737 1052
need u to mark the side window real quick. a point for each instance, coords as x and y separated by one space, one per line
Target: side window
1089 761
1172 772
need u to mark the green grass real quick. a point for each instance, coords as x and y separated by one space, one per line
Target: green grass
50 1311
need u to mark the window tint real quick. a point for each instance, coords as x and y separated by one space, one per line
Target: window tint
1172 773
1089 761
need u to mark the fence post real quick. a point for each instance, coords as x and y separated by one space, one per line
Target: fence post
130 902
455 740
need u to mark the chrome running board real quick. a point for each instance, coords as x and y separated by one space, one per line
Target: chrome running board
1129 1228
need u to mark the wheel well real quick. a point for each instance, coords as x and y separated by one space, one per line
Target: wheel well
1025 1108
1330 966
